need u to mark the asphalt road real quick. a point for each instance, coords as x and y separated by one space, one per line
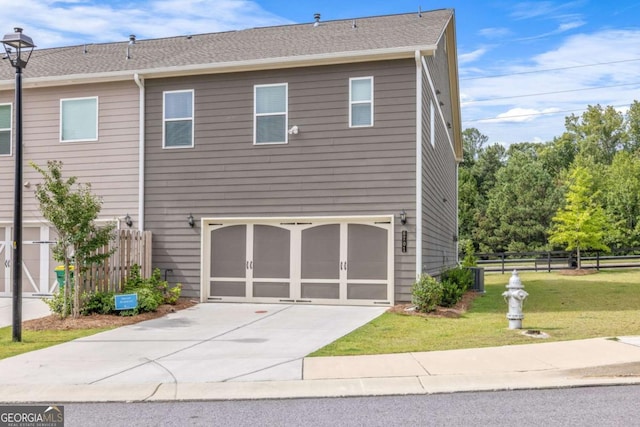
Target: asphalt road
601 406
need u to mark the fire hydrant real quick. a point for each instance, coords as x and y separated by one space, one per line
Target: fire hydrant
515 296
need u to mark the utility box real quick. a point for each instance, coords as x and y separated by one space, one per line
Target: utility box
478 279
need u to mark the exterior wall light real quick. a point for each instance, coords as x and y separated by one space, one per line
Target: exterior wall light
191 221
128 221
403 217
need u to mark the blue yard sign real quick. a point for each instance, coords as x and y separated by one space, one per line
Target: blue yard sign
126 301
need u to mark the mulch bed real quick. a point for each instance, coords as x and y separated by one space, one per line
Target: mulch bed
451 312
95 321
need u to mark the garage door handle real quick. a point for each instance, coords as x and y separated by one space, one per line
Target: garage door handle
249 265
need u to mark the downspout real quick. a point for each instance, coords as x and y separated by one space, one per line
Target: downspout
419 92
140 82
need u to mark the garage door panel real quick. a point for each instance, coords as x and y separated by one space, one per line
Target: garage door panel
227 289
366 291
320 290
367 252
321 252
271 289
271 252
228 251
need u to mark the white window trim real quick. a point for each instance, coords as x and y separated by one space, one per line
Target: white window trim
10 129
97 118
164 119
256 115
351 102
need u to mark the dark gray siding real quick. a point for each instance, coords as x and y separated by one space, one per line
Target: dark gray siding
439 172
327 169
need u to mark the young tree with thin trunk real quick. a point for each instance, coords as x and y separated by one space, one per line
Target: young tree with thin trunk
582 223
72 210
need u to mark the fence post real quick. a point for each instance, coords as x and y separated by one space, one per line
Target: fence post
598 260
502 257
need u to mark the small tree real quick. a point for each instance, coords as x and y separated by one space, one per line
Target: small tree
581 224
72 209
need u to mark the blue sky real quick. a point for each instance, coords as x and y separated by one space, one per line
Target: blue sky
524 65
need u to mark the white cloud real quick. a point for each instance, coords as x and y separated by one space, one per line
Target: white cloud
533 95
465 58
59 23
517 115
492 33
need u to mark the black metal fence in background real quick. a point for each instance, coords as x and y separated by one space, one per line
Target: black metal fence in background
557 260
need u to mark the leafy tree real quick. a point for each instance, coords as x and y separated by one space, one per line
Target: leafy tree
632 120
473 142
72 209
489 162
622 199
558 155
599 132
520 206
581 223
469 205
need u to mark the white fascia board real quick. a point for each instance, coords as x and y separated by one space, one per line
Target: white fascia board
406 52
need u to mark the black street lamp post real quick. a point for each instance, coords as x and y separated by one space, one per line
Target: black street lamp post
15 45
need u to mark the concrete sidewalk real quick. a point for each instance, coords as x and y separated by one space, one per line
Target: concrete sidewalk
251 351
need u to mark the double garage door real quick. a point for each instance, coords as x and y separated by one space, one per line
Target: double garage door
302 260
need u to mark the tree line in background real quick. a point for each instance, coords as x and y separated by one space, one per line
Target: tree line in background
579 191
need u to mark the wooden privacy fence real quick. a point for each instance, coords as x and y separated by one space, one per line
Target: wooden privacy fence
130 247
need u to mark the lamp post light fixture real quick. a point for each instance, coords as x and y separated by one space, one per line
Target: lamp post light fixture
18 48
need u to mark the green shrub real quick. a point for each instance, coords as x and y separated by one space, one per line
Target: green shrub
56 303
152 292
171 296
455 283
426 293
99 302
470 259
451 293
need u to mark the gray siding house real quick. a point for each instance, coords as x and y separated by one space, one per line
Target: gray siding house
311 163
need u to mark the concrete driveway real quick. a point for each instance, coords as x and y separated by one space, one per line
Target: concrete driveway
211 342
32 308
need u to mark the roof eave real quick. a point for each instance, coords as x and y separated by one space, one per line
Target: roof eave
227 67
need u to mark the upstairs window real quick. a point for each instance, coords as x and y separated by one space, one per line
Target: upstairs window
178 119
5 130
79 119
361 102
270 114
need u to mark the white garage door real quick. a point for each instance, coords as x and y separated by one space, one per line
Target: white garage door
303 260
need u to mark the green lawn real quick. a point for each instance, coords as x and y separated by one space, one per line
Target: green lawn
606 304
35 340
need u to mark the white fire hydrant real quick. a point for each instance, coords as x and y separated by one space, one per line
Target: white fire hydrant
515 296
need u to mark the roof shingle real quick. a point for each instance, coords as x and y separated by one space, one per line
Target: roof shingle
257 44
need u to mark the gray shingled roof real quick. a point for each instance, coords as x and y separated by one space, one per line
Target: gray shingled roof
257 44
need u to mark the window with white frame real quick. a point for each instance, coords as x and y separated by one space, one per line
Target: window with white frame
79 119
361 102
5 129
178 119
270 114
